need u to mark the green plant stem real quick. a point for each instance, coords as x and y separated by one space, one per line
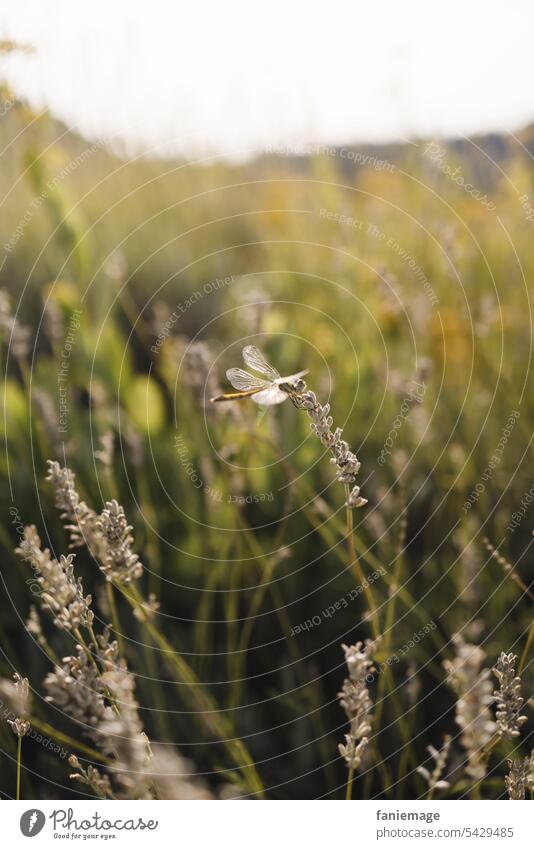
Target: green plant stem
50 653
475 791
357 569
211 713
152 548
85 647
490 746
407 599
231 607
90 656
311 692
19 757
348 795
114 615
386 680
93 638
528 643
375 622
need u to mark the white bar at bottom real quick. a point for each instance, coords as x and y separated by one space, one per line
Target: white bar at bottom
268 825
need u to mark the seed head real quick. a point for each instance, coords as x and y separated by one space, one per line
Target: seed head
124 735
18 336
16 695
80 520
434 779
473 688
120 563
76 688
346 463
355 700
91 776
172 776
61 593
508 697
519 777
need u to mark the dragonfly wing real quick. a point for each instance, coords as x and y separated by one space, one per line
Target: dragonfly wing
244 381
268 397
291 378
254 359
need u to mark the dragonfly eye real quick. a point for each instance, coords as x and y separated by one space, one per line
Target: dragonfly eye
299 385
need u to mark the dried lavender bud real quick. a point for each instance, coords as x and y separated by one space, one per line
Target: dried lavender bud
345 461
355 700
61 593
105 452
85 694
434 779
108 537
473 688
91 776
148 609
16 695
19 726
17 336
530 773
77 688
34 627
108 650
172 777
508 697
124 735
518 777
119 563
81 520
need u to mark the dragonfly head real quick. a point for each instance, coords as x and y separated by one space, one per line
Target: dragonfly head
298 385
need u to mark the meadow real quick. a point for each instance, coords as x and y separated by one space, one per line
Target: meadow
224 568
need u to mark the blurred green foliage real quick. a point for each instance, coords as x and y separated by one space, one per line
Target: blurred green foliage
236 515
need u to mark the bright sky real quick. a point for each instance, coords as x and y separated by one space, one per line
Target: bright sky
230 76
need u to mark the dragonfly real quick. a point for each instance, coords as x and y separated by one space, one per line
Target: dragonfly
267 390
